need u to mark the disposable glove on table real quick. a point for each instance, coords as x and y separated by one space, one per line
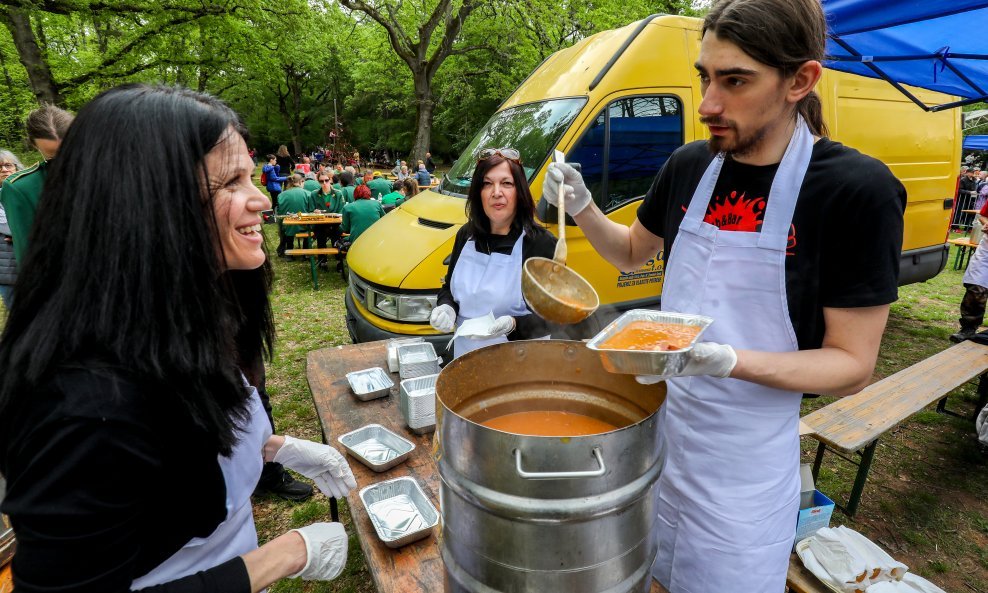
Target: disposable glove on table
706 358
443 319
325 548
322 463
576 194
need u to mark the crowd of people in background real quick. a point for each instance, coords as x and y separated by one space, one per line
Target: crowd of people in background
324 182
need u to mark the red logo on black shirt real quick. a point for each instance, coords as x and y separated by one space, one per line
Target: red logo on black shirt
741 213
736 213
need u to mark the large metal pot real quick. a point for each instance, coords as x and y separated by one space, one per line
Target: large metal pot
533 513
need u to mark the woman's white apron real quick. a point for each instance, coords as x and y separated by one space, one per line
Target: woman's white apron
482 284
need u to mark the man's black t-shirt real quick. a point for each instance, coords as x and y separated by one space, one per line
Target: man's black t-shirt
846 233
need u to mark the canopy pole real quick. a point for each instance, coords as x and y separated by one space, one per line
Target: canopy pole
878 71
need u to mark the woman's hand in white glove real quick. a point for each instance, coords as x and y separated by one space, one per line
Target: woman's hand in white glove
576 194
322 463
706 358
502 326
443 319
325 549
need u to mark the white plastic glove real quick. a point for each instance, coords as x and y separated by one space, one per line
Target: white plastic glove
322 463
577 195
502 326
443 319
325 550
706 358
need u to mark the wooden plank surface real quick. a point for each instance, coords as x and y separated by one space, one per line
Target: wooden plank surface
963 242
417 566
852 422
801 580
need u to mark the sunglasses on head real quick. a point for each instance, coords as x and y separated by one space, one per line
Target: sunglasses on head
506 153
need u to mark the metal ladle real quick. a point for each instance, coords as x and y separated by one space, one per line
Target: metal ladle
553 291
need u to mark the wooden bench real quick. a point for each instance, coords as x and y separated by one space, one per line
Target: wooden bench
965 249
312 252
853 424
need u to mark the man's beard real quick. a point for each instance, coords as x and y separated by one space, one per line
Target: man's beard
742 145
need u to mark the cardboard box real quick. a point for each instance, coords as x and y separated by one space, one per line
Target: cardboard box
814 518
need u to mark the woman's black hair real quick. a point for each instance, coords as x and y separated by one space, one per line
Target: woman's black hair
346 179
130 275
477 220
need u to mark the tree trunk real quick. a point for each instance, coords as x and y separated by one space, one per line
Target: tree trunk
38 72
425 106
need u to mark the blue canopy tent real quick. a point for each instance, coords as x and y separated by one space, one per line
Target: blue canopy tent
976 142
932 44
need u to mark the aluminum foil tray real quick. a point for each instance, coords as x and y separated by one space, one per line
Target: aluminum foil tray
393 344
416 360
400 511
417 402
646 362
376 447
370 383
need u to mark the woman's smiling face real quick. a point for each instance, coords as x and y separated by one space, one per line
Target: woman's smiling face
237 203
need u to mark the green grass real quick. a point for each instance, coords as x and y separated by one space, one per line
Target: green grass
924 502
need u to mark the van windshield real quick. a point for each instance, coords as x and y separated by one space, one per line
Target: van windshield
533 129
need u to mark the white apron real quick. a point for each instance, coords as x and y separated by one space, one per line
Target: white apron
977 267
236 535
729 490
482 284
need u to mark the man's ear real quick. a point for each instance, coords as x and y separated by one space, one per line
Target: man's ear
803 81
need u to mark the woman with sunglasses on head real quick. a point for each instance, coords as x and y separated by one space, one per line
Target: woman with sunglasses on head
9 163
130 437
485 266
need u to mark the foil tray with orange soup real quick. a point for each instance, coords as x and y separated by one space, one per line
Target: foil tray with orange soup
647 342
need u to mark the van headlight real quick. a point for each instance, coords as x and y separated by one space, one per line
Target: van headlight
410 308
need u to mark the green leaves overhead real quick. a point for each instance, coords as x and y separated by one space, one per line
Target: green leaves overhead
407 76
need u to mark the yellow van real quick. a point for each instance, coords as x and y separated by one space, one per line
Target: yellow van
619 103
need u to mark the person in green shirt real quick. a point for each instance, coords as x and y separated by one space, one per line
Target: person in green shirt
292 201
378 186
21 191
394 199
326 199
346 186
359 215
310 185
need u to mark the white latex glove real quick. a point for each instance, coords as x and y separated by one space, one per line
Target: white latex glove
322 463
325 550
706 358
577 195
443 319
502 326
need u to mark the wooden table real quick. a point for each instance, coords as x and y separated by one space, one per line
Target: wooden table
416 567
966 249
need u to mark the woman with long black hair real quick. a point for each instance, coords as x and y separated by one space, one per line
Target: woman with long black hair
130 436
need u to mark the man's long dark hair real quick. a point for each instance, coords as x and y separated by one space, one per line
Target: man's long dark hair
125 270
783 34
480 225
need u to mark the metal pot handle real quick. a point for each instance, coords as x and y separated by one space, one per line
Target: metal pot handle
594 473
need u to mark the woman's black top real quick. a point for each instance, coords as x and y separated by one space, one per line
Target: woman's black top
540 243
107 477
287 165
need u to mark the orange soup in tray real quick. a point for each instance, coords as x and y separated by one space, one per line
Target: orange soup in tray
652 335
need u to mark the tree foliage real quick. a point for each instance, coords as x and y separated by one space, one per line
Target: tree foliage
392 75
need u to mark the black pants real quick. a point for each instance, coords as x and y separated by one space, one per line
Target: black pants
973 307
325 234
274 199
